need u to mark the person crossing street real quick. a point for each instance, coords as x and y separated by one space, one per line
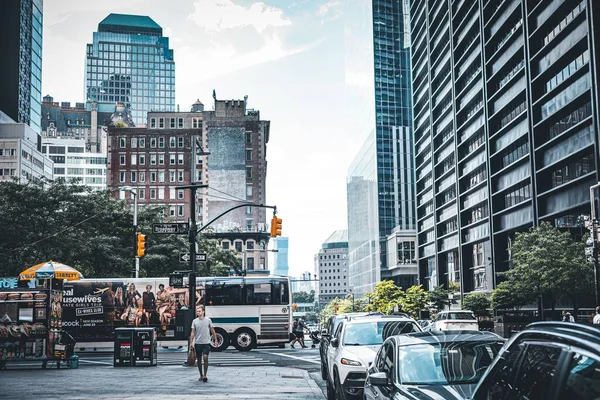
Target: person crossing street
200 340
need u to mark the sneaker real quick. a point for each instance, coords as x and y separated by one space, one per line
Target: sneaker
292 346
205 379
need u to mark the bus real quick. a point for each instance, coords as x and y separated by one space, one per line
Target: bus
246 311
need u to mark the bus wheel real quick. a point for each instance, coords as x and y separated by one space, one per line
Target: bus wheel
222 340
244 340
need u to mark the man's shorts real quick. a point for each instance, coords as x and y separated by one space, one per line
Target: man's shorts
299 334
201 349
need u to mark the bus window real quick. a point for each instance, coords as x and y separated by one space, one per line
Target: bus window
258 293
223 294
285 293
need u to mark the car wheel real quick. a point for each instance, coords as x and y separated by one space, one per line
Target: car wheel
323 371
244 340
222 340
330 391
339 392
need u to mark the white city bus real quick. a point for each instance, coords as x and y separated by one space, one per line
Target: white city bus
246 311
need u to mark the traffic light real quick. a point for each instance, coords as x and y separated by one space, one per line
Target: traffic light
276 226
294 307
141 244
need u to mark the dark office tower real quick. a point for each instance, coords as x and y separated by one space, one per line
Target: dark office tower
21 64
130 62
378 78
506 121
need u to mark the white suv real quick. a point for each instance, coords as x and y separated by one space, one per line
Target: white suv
454 321
352 349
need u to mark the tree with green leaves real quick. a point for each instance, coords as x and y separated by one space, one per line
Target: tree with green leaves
385 297
439 298
415 300
479 303
510 295
303 297
549 263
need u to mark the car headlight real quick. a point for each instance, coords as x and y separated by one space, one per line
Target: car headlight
347 361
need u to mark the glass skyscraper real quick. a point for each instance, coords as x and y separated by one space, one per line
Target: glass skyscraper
379 89
506 129
280 258
130 62
21 65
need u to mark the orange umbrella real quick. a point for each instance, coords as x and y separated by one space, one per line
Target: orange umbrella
50 270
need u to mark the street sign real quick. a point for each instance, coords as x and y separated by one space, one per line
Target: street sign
589 251
181 228
185 257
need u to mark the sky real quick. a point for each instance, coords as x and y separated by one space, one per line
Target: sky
287 56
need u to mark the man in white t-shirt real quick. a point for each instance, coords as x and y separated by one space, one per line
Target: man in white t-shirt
597 316
200 340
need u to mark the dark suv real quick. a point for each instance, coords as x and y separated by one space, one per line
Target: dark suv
547 360
330 327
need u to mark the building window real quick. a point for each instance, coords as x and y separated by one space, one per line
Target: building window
153 123
180 211
248 155
172 123
180 194
171 211
152 159
172 159
142 193
141 176
248 209
152 176
161 176
171 176
133 176
161 123
180 159
172 141
180 141
225 245
141 143
517 196
122 142
153 143
122 159
248 190
248 137
161 193
152 194
122 176
161 159
248 172
574 170
142 159
180 176
238 245
133 159
196 123
250 245
406 252
161 142
134 143
180 123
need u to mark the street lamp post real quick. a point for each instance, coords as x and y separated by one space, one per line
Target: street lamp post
134 193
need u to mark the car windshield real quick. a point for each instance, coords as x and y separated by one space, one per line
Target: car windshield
375 332
445 363
458 315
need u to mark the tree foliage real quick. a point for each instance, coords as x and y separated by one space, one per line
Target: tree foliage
439 298
509 295
385 297
549 263
415 299
303 297
90 231
479 303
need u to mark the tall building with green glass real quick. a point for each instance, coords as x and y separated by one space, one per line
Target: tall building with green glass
129 61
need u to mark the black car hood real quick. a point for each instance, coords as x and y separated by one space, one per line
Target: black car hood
439 392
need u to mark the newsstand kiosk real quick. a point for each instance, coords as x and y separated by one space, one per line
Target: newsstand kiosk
134 347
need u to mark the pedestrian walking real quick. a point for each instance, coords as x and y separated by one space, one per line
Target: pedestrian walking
596 320
567 317
200 339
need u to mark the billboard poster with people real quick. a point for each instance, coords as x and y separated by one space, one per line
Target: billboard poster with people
92 309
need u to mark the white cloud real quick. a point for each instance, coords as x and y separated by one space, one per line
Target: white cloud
218 15
324 9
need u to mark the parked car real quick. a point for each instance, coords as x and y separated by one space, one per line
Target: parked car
425 324
328 330
431 365
353 347
454 321
547 360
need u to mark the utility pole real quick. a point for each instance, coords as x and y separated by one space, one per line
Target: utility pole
193 188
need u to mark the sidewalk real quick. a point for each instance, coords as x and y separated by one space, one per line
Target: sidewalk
162 382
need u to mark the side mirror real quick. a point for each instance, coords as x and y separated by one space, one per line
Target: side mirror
378 379
335 342
324 333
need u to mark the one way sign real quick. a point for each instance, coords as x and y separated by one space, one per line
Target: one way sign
185 257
